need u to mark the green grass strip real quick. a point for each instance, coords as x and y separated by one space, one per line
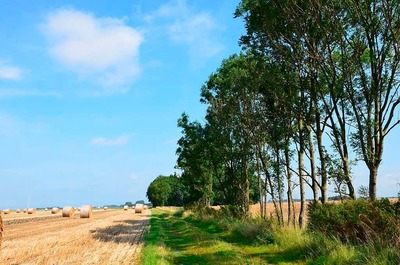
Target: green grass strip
173 239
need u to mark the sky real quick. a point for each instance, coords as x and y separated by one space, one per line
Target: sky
90 94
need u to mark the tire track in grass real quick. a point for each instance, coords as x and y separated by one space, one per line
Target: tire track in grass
188 244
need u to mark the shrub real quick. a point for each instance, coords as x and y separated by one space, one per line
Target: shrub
357 221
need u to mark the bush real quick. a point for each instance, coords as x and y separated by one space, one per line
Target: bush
357 221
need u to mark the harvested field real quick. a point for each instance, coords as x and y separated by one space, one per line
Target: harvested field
255 209
109 237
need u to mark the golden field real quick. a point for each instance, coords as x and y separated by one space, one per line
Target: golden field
109 237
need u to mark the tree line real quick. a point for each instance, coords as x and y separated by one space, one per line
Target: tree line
314 91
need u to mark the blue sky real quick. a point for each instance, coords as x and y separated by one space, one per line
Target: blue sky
90 92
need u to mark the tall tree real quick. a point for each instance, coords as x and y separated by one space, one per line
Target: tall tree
192 159
371 41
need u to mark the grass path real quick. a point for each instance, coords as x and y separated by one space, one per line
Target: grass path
174 239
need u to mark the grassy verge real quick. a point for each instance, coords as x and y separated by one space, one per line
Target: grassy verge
179 238
175 239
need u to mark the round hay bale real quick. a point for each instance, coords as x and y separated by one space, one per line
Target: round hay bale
25 210
6 211
18 210
86 211
68 211
126 207
46 209
31 210
138 208
105 208
54 210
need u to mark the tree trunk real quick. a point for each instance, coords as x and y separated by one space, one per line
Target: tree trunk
301 173
291 215
373 172
322 158
314 184
261 192
246 197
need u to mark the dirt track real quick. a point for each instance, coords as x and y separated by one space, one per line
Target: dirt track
110 237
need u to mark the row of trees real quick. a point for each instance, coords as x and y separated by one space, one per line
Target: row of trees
315 90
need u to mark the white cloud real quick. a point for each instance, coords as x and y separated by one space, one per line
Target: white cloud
101 49
199 31
9 72
121 140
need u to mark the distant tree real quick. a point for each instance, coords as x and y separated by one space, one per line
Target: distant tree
159 191
166 190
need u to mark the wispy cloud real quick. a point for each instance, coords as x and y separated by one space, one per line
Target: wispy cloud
15 93
10 72
121 140
199 31
104 50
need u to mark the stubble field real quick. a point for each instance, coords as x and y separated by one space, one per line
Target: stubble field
109 237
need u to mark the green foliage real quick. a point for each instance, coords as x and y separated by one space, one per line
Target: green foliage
358 221
363 192
167 190
210 237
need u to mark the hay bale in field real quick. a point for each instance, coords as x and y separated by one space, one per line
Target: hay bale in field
86 211
133 207
6 211
68 211
46 209
18 210
126 207
138 208
25 210
145 207
54 210
105 208
31 210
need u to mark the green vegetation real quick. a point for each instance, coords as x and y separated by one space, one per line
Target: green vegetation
167 190
358 221
206 237
315 90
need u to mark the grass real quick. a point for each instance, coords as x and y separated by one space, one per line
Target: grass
176 237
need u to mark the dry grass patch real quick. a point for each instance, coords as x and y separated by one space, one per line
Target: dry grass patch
110 237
